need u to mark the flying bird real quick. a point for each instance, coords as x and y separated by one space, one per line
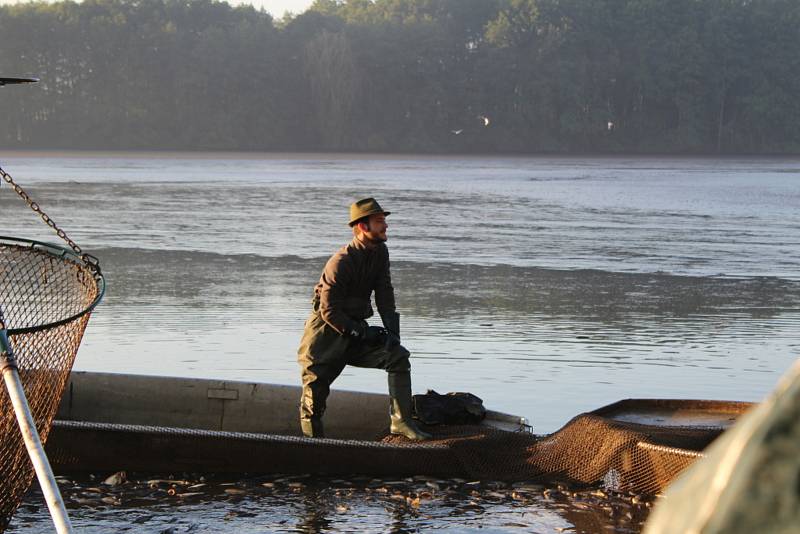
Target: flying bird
10 81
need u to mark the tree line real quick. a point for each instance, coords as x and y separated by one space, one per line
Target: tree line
429 76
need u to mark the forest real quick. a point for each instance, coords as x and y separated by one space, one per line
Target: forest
405 76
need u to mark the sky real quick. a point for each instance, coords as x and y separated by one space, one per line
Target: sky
277 8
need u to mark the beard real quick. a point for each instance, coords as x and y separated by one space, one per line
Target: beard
374 238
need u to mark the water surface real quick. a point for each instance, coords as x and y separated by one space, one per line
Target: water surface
546 286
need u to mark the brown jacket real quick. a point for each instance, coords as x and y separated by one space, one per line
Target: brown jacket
347 282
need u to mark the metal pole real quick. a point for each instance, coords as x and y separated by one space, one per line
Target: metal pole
27 426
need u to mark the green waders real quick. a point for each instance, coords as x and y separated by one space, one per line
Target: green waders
324 353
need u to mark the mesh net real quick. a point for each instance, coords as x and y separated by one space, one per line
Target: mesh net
46 295
589 450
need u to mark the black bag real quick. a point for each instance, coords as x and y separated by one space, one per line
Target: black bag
451 409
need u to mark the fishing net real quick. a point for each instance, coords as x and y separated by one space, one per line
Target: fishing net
592 449
46 296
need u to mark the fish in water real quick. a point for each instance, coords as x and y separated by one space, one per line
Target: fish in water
116 479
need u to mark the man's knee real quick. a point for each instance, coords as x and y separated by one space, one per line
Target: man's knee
399 360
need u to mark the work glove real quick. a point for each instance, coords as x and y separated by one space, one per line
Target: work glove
372 335
375 335
357 329
391 321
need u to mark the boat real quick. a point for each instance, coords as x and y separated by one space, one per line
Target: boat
111 422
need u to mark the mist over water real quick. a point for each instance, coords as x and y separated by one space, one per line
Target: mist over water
546 286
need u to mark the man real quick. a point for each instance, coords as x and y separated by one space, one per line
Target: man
336 333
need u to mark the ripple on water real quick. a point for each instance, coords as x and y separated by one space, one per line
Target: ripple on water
312 504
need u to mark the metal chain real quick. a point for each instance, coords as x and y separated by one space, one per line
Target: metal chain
88 258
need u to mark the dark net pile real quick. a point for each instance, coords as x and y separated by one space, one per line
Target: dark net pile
45 300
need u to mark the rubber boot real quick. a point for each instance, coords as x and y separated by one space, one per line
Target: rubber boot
400 408
312 428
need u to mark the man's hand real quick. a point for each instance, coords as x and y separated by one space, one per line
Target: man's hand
371 335
357 329
375 335
391 321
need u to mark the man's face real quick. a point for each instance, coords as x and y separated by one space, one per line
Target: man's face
376 228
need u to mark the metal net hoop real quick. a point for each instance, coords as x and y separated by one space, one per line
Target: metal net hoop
47 294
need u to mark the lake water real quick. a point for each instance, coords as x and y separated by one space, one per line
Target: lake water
546 286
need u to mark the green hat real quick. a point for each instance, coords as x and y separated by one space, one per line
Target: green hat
364 208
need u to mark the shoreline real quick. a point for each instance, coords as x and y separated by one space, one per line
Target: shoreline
366 156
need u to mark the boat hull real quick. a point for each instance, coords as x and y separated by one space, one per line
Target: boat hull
102 447
112 422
